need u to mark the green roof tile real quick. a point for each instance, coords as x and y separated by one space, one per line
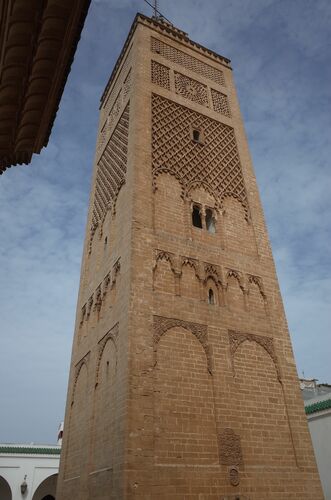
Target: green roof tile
29 450
321 405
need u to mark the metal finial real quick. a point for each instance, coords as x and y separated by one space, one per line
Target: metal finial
157 13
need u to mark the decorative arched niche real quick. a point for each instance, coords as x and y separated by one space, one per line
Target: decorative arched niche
235 291
239 231
259 392
168 203
190 279
77 445
104 412
183 435
256 297
164 273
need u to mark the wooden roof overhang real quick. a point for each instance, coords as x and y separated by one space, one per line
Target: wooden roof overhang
38 40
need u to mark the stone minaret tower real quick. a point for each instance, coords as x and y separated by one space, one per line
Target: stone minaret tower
183 383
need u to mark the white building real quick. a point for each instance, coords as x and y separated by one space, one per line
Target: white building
317 401
28 472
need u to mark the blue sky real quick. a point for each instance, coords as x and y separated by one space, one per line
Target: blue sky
280 52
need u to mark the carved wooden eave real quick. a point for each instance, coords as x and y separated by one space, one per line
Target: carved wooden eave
38 40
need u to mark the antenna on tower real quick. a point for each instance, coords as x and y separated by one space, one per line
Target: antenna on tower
157 14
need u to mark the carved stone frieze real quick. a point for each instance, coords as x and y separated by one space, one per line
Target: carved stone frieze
191 89
162 324
230 448
205 270
187 61
114 106
220 103
160 75
122 82
98 297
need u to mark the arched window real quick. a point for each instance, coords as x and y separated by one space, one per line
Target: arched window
196 217
210 221
211 298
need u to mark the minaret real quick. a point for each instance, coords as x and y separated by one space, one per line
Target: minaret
183 383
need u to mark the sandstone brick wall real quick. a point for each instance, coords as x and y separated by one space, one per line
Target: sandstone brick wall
183 380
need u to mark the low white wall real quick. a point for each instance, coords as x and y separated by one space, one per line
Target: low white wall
320 431
36 468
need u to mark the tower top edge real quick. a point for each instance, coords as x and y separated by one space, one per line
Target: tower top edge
158 24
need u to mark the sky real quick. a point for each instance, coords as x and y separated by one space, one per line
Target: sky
280 52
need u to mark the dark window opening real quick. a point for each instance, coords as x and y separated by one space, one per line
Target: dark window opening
196 217
211 298
196 135
106 240
210 221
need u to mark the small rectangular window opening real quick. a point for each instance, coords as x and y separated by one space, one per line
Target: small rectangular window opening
211 298
210 221
196 135
196 217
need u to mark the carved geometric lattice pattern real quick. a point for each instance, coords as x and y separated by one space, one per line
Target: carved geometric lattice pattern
115 111
111 94
160 75
220 103
111 171
127 85
187 61
191 89
214 163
